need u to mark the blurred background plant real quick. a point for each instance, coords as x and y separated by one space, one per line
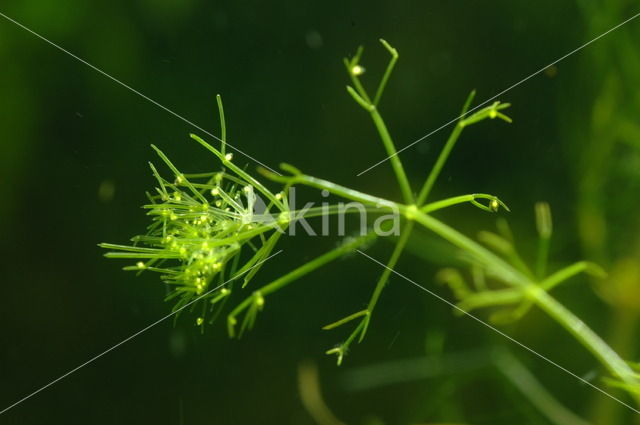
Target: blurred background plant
72 163
606 170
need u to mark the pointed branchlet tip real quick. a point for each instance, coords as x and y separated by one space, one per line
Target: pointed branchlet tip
339 352
266 173
356 58
277 177
492 111
496 242
595 270
231 326
223 125
353 65
544 222
206 145
290 169
493 205
496 203
389 48
467 103
455 281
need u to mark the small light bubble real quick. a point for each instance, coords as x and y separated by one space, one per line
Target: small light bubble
313 39
106 191
228 157
551 71
199 321
357 70
140 265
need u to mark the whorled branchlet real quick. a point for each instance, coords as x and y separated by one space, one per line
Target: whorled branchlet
205 236
200 224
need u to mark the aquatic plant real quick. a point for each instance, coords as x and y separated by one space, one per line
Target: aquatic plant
206 235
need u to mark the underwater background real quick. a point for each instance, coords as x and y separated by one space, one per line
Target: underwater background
74 147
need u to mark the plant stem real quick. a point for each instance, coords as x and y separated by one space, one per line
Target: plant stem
361 97
334 188
495 266
437 205
393 260
387 72
566 273
223 125
295 274
589 339
542 257
384 277
437 168
396 164
444 154
320 261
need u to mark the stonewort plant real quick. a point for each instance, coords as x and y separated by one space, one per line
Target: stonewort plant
206 239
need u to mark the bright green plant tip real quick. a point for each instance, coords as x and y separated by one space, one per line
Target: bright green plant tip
223 125
200 225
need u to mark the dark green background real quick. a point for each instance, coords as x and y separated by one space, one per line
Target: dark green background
65 130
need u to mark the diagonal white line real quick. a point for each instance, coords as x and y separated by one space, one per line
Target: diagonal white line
577 49
96 357
501 333
164 108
